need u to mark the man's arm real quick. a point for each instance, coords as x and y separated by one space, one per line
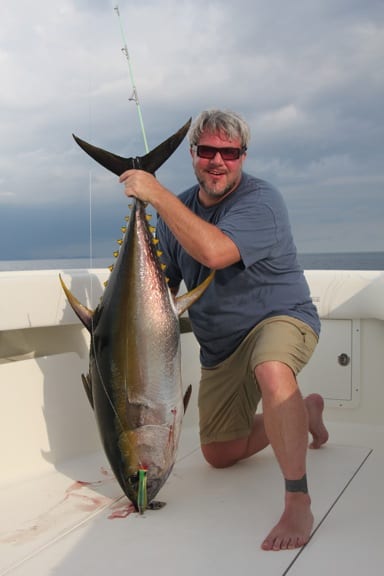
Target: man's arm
205 242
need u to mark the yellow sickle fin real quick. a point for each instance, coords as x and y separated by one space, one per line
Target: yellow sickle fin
83 313
183 302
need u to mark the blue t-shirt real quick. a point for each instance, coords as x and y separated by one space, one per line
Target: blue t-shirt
268 280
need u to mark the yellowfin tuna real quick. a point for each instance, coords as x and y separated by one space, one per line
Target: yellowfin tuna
134 381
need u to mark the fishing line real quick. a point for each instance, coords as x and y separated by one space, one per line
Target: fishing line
91 252
135 95
90 184
90 232
91 299
134 98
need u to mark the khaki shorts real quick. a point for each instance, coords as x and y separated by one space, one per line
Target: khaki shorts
229 392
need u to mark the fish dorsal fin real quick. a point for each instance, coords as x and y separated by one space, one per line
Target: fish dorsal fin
183 302
84 313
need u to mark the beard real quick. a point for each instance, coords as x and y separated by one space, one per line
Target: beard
215 192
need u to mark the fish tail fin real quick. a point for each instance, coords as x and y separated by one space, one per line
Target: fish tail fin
150 162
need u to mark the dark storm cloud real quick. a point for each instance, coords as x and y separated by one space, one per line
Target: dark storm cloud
307 75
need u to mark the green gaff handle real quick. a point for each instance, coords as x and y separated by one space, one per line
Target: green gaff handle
142 491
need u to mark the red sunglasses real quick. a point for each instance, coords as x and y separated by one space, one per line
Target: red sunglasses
227 153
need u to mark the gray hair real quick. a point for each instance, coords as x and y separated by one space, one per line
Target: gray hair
216 121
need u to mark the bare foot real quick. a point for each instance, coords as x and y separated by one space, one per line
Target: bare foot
315 408
294 527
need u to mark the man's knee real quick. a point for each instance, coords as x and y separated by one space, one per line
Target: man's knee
223 454
272 375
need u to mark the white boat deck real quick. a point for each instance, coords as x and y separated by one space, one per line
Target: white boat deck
75 520
62 512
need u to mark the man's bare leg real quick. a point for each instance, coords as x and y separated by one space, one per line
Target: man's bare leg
287 419
283 403
225 454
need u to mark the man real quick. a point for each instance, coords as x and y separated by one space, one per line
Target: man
256 324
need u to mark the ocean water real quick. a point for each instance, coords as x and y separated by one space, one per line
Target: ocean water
342 261
55 264
313 261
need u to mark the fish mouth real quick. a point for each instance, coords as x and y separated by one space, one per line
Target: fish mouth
154 484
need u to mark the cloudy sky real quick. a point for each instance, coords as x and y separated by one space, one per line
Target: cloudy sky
308 75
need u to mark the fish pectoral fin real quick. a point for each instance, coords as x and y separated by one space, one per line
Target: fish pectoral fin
87 383
83 313
183 302
187 397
